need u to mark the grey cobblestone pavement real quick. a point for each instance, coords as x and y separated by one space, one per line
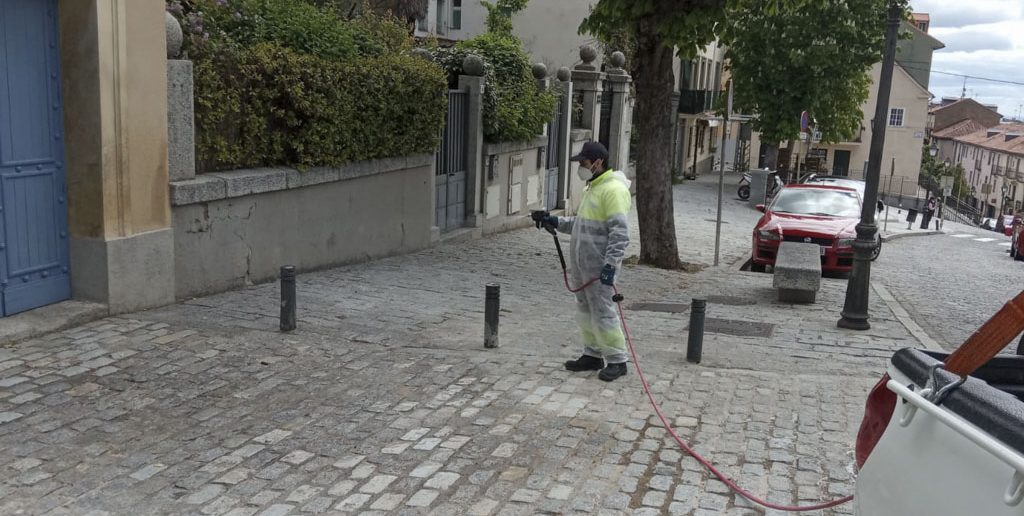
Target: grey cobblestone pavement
951 283
385 402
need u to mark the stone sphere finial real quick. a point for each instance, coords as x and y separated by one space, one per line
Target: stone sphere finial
564 74
473 65
175 37
588 54
618 59
540 71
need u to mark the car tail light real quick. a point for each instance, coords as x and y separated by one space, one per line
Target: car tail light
877 413
769 235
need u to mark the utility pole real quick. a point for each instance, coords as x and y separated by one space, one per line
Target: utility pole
721 175
855 309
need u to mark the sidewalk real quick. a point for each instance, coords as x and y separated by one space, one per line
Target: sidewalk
385 401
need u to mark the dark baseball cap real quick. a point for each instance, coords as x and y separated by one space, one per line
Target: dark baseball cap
592 151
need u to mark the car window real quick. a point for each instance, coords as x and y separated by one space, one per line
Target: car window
814 201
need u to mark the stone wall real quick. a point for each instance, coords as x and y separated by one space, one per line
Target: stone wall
237 228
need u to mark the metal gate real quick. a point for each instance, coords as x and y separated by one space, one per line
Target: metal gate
450 172
33 209
554 150
605 131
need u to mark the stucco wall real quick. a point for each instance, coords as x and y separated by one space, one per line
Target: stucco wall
314 219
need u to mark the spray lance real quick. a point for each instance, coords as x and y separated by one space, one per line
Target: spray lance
542 220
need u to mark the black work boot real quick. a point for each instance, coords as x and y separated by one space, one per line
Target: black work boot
585 363
612 372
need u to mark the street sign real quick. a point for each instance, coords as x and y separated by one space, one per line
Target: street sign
946 182
946 192
804 122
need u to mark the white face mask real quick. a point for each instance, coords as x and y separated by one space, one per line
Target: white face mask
584 173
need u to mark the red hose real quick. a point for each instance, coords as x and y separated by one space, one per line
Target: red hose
682 444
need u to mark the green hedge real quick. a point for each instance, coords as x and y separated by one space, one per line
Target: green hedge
514 108
281 82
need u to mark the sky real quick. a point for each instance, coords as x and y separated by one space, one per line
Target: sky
984 38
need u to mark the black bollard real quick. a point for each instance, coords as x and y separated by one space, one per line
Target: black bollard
492 304
288 298
695 344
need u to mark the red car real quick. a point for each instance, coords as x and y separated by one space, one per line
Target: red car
810 213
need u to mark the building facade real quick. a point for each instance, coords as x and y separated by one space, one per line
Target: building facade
452 20
83 154
906 121
991 158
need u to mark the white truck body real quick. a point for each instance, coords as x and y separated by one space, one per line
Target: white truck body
932 460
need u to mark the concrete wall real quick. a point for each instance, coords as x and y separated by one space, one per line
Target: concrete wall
517 161
549 31
113 58
239 228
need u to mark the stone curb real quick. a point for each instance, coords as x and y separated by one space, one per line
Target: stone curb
897 236
905 319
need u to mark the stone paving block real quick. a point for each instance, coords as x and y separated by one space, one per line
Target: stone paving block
377 484
422 498
442 481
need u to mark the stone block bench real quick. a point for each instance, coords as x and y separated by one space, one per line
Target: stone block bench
797 272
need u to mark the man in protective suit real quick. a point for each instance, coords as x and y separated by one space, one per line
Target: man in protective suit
600 235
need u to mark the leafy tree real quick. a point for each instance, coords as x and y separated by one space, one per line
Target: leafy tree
933 169
815 58
659 28
406 10
500 13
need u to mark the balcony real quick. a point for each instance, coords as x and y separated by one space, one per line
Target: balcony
998 170
695 102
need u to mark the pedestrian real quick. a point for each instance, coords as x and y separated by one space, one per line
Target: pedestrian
600 235
928 212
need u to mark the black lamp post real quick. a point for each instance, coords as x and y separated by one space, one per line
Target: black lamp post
855 309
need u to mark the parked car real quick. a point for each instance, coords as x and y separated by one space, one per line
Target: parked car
810 213
842 181
961 454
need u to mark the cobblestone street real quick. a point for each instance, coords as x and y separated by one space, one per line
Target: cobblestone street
384 401
952 283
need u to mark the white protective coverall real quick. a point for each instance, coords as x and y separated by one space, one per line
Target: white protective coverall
600 235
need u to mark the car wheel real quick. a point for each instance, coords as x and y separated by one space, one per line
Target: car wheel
877 250
743 192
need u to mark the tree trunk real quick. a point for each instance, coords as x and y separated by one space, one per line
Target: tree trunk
654 85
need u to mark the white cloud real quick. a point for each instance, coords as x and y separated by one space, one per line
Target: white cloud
984 38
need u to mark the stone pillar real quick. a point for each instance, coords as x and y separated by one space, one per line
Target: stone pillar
565 88
181 139
114 62
621 119
589 81
474 84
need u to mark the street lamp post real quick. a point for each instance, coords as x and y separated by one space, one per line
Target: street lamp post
855 309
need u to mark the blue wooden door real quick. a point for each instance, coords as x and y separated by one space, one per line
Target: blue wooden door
33 198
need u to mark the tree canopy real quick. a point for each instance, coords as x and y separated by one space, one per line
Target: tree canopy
815 59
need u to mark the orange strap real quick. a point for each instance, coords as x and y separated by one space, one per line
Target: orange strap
989 340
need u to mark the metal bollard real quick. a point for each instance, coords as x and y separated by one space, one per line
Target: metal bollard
288 298
492 304
695 344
